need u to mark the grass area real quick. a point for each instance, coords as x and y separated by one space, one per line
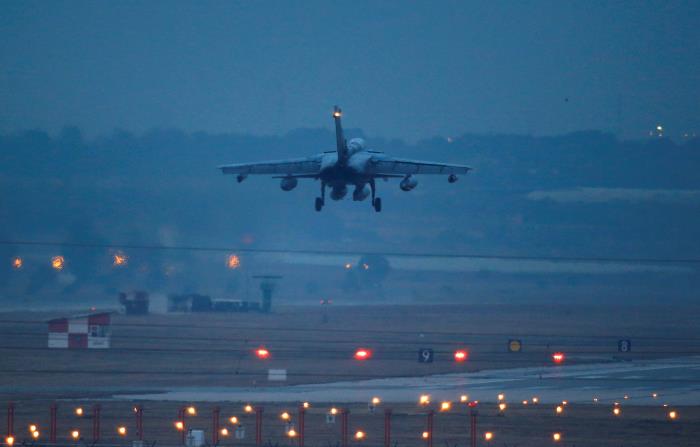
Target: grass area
173 350
166 351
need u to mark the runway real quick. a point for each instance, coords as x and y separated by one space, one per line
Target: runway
676 381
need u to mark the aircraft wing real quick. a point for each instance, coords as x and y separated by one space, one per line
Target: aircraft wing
294 167
397 166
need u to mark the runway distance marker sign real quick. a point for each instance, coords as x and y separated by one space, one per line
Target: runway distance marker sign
425 355
624 345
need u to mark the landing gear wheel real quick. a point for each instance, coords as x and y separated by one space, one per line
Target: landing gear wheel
377 204
318 204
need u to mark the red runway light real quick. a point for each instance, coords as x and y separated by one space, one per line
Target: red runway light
558 357
461 355
262 353
363 354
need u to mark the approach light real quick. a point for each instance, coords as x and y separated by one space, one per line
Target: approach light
75 434
425 435
306 405
233 262
424 399
654 395
488 436
348 266
673 414
376 401
192 411
359 435
445 406
595 400
502 407
248 408
262 353
362 354
525 402
333 411
535 400
224 431
460 355
58 262
10 440
179 425
233 420
17 263
617 411
556 437
464 398
35 434
558 357
501 397
119 259
291 433
121 430
32 428
79 411
559 409
565 402
285 416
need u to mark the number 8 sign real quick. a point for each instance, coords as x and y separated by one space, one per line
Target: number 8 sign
624 345
425 355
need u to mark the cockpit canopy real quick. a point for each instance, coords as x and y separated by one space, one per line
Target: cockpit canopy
356 145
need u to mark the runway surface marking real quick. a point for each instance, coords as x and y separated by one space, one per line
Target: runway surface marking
676 381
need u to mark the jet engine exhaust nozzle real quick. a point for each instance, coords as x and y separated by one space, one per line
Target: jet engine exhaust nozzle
360 193
338 192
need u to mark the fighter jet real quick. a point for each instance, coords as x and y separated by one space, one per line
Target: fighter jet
350 164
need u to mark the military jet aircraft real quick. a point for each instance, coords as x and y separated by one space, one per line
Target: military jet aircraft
350 164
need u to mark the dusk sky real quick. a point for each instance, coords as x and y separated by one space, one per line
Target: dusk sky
407 70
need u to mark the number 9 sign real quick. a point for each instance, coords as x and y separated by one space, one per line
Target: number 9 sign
425 355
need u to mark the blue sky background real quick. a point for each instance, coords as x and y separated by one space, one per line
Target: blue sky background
406 70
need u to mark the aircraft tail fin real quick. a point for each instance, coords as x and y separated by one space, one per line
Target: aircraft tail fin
341 144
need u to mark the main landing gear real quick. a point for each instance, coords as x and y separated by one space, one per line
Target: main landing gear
320 201
376 201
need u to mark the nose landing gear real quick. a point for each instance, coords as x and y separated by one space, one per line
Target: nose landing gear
376 201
